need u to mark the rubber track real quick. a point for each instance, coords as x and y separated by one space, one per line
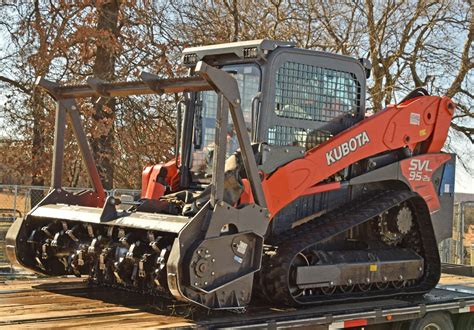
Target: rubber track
273 276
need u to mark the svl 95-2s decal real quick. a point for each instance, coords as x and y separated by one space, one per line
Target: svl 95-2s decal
416 169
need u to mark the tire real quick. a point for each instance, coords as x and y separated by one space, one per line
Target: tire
465 321
433 321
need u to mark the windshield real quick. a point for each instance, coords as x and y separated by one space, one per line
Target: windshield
248 80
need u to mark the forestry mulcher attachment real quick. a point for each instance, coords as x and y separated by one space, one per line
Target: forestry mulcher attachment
297 195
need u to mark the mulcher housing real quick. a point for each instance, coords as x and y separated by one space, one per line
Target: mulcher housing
297 192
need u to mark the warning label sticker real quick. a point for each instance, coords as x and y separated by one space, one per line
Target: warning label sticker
415 118
242 247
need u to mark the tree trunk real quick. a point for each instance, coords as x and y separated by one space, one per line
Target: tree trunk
39 166
104 67
38 152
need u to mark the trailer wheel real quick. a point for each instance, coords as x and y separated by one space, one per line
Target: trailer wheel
432 321
465 321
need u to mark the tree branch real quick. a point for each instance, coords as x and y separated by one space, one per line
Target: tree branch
15 84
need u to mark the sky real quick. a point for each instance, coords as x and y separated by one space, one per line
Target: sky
464 181
464 149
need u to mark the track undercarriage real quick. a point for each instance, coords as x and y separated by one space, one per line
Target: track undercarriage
351 253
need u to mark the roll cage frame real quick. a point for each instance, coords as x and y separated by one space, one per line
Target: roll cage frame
207 78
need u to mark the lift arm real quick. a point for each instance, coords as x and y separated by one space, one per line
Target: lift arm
424 119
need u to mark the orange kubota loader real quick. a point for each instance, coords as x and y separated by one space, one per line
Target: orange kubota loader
297 194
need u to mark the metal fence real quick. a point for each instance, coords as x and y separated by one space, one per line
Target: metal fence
16 201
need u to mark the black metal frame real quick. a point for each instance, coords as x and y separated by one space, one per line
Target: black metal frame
271 55
209 78
310 57
68 106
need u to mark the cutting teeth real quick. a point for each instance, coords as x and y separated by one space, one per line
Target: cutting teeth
120 257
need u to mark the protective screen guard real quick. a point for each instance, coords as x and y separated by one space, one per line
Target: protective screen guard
66 96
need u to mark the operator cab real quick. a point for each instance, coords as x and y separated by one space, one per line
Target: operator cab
290 97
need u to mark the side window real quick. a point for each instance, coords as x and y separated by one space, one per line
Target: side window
295 136
311 93
248 80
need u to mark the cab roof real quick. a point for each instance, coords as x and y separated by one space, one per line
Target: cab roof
238 50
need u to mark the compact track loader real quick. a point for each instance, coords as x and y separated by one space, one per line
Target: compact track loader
297 196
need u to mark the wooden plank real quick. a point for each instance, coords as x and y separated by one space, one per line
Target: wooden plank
70 302
125 320
448 279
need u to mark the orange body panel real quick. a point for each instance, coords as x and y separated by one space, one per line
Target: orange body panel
246 197
152 188
422 119
418 172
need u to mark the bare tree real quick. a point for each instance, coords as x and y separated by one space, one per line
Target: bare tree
416 43
68 42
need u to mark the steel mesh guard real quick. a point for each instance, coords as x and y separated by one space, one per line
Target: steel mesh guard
309 92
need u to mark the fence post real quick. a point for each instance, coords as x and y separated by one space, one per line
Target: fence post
472 254
462 232
14 200
27 198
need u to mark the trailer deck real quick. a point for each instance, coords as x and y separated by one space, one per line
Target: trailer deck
70 302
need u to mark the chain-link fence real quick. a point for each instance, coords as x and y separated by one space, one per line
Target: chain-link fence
462 243
16 201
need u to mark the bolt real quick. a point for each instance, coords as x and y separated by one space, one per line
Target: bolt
349 281
213 260
400 277
205 283
287 151
331 283
196 283
385 278
420 269
207 251
237 101
213 273
367 280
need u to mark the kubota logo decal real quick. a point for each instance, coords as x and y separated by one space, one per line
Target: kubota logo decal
347 147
